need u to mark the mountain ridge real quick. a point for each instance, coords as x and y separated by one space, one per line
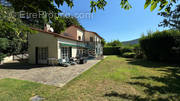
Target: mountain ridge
131 42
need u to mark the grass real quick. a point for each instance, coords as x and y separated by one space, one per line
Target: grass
112 79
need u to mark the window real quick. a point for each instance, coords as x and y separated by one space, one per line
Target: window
66 52
91 39
42 53
80 52
79 37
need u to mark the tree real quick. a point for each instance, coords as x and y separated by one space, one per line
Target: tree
14 30
58 24
103 42
32 12
30 5
3 46
34 6
48 5
171 19
115 43
161 46
70 20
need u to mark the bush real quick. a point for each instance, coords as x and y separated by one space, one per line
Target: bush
3 46
2 56
129 55
111 51
126 49
161 46
138 52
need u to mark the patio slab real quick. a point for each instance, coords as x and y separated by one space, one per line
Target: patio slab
50 75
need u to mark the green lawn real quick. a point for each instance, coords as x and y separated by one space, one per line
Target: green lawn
112 79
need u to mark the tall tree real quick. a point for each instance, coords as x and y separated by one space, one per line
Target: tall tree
171 19
3 46
58 24
12 29
70 20
115 43
103 42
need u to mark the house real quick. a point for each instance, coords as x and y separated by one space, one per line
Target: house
73 42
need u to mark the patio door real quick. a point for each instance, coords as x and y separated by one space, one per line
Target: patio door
41 55
66 52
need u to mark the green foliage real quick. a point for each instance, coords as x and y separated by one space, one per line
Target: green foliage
34 6
97 4
162 3
113 76
111 50
125 4
13 29
103 42
116 48
138 52
70 20
127 48
161 46
171 19
2 56
3 46
115 43
48 5
129 54
58 24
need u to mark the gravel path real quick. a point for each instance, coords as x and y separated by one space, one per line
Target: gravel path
54 75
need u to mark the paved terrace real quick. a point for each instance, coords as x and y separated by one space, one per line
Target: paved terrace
50 75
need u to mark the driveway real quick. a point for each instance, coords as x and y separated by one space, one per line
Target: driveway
50 75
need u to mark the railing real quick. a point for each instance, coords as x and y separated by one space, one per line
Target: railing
90 44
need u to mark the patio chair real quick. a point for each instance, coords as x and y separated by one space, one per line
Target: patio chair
72 61
63 62
81 60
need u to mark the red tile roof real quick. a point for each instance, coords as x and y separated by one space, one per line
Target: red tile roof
55 34
62 35
96 34
87 31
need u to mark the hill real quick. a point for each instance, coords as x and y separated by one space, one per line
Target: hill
131 42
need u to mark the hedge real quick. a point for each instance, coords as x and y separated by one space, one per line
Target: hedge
111 51
161 46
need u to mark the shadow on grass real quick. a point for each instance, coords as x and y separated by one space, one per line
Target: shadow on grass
126 96
139 98
150 64
169 91
20 65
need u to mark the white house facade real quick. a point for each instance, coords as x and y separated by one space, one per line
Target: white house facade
74 42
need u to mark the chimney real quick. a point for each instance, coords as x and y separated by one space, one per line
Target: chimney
48 28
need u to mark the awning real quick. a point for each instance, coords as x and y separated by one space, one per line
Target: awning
71 45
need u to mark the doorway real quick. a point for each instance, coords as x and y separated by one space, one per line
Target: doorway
41 55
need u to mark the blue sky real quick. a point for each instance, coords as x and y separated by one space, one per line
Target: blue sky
114 23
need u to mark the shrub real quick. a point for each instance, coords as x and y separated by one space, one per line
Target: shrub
111 51
129 54
138 52
161 46
3 46
126 49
